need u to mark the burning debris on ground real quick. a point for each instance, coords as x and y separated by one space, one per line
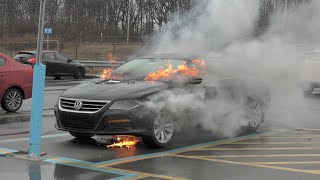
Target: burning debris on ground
123 141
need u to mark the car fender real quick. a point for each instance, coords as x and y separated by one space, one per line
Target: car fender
18 86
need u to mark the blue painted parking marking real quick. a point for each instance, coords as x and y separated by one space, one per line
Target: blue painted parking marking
5 151
86 165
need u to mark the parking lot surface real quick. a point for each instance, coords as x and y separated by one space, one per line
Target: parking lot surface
287 154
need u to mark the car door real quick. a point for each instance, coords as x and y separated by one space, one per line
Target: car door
66 64
53 67
4 75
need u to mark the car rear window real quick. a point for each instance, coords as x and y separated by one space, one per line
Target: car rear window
23 56
2 61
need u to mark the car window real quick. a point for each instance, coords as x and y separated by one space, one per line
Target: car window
23 56
61 57
48 56
2 61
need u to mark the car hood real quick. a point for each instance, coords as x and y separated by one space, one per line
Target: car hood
114 90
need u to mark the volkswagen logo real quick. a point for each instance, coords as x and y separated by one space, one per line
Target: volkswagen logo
77 105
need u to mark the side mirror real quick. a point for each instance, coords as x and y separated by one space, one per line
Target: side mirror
69 60
195 80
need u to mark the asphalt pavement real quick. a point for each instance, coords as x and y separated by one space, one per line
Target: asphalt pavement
287 146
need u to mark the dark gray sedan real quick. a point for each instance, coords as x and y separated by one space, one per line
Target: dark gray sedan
57 64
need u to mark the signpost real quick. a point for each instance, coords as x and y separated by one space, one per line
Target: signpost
48 32
37 91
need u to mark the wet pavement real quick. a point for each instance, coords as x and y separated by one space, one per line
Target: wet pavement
285 147
286 154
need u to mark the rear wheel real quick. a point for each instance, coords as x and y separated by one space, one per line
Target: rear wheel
79 73
12 100
161 131
255 114
81 135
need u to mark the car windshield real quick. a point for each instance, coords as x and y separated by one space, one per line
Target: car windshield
138 69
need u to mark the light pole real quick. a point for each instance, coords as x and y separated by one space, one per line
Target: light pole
128 20
37 91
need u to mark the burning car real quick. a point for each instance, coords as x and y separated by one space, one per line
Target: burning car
116 104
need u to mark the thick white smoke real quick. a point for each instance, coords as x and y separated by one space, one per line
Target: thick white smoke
214 24
226 28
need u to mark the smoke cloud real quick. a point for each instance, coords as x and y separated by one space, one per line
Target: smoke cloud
223 33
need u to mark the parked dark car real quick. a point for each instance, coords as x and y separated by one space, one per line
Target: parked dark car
116 105
57 64
15 83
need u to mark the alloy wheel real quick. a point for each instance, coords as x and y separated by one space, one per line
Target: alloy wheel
255 114
163 127
13 100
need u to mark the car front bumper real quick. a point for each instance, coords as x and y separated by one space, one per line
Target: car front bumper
104 122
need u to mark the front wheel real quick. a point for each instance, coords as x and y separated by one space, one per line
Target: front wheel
81 135
161 131
255 114
12 100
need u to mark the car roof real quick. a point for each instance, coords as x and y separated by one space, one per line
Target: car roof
170 56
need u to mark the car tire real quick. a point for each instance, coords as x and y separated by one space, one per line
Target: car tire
81 135
161 131
79 73
255 114
12 100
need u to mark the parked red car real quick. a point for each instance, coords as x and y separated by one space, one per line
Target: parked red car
15 83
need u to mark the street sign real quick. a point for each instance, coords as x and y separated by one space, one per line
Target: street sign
48 31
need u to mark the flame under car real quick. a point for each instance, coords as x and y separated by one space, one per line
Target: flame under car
115 104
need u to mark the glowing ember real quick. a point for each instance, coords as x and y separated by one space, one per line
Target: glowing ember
126 142
163 74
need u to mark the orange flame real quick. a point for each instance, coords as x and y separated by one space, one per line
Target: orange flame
200 62
166 73
126 142
184 69
106 73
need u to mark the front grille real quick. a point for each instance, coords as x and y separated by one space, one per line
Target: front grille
78 125
87 106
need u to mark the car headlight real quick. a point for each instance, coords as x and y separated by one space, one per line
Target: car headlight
125 105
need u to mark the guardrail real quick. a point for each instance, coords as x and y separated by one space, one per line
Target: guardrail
90 65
